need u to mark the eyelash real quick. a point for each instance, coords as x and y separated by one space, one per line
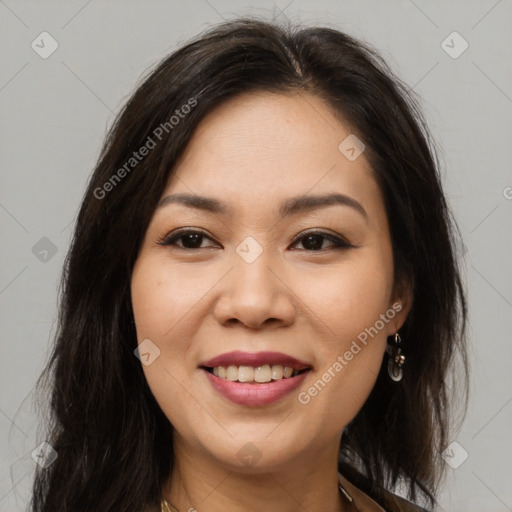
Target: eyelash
170 240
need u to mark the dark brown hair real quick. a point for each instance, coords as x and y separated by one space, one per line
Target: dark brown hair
112 439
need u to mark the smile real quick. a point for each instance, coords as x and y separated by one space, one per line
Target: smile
255 378
253 394
259 374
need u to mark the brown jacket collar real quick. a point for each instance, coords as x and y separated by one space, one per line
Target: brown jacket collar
392 502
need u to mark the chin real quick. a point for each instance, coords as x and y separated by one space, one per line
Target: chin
257 454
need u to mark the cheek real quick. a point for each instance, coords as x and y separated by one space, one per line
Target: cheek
353 303
163 294
161 299
349 298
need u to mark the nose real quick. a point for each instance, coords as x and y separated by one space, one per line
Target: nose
255 295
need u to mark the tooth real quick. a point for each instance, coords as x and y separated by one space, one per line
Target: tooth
232 373
277 371
262 373
246 374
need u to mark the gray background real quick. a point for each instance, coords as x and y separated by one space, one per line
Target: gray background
55 112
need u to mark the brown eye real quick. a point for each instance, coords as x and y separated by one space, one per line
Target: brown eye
314 241
189 239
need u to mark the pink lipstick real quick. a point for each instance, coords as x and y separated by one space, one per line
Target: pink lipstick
255 378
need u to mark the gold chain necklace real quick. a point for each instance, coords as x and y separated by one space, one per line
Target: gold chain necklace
167 507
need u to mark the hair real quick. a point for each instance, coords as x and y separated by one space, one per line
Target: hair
113 441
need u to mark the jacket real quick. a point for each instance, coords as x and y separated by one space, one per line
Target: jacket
389 503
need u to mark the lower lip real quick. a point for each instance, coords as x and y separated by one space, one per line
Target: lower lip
255 394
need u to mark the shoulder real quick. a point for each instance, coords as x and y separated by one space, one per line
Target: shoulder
386 501
396 503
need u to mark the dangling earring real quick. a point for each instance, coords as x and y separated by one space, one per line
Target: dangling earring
395 359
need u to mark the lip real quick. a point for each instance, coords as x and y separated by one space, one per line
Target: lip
254 359
254 394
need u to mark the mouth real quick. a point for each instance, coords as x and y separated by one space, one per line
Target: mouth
255 379
256 375
256 367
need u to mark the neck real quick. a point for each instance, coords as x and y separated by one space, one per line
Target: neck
308 482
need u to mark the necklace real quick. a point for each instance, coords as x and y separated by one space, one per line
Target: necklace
167 507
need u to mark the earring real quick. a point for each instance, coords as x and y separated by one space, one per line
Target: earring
395 359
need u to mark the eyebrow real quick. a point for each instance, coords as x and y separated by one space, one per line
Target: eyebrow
290 206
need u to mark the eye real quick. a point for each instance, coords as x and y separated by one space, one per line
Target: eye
189 238
314 241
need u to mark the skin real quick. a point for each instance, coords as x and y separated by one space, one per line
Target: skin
252 153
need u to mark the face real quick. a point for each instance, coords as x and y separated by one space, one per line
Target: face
267 277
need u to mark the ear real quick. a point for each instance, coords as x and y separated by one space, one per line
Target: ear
401 303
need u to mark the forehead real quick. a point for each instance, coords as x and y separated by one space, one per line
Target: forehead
266 145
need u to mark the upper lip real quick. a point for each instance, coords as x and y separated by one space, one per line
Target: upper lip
240 358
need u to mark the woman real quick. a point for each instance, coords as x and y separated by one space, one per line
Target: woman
261 305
